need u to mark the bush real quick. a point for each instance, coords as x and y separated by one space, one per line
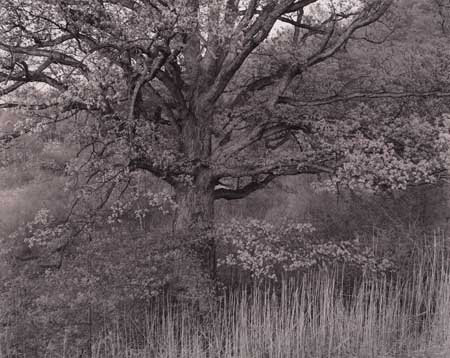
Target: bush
266 251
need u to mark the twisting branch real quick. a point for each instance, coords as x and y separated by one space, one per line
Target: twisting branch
240 49
314 29
165 171
26 76
293 166
239 193
298 5
331 44
359 95
370 15
54 56
272 131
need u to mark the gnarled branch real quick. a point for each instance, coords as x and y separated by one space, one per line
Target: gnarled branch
239 193
359 95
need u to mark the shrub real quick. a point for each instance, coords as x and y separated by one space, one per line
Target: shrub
266 251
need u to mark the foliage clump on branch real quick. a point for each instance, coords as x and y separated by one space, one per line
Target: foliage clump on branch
268 251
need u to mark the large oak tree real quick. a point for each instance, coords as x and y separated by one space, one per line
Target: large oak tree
200 93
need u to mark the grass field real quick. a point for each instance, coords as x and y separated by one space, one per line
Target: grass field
312 317
317 315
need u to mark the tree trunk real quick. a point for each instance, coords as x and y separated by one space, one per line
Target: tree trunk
195 212
194 221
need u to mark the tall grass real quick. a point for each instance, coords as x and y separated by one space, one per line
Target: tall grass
314 316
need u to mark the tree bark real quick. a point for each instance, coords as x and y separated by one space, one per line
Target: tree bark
194 222
194 219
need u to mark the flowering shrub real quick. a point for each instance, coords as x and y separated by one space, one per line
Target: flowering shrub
141 203
265 250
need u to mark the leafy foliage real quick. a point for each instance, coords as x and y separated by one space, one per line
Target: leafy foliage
267 251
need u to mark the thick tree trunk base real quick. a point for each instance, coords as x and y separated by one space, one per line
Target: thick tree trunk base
194 225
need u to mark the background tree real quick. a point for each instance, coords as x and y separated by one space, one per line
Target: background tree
199 93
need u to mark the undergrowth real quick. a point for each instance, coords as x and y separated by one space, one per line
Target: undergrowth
316 315
403 315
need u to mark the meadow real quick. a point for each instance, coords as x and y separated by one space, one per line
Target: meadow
315 315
